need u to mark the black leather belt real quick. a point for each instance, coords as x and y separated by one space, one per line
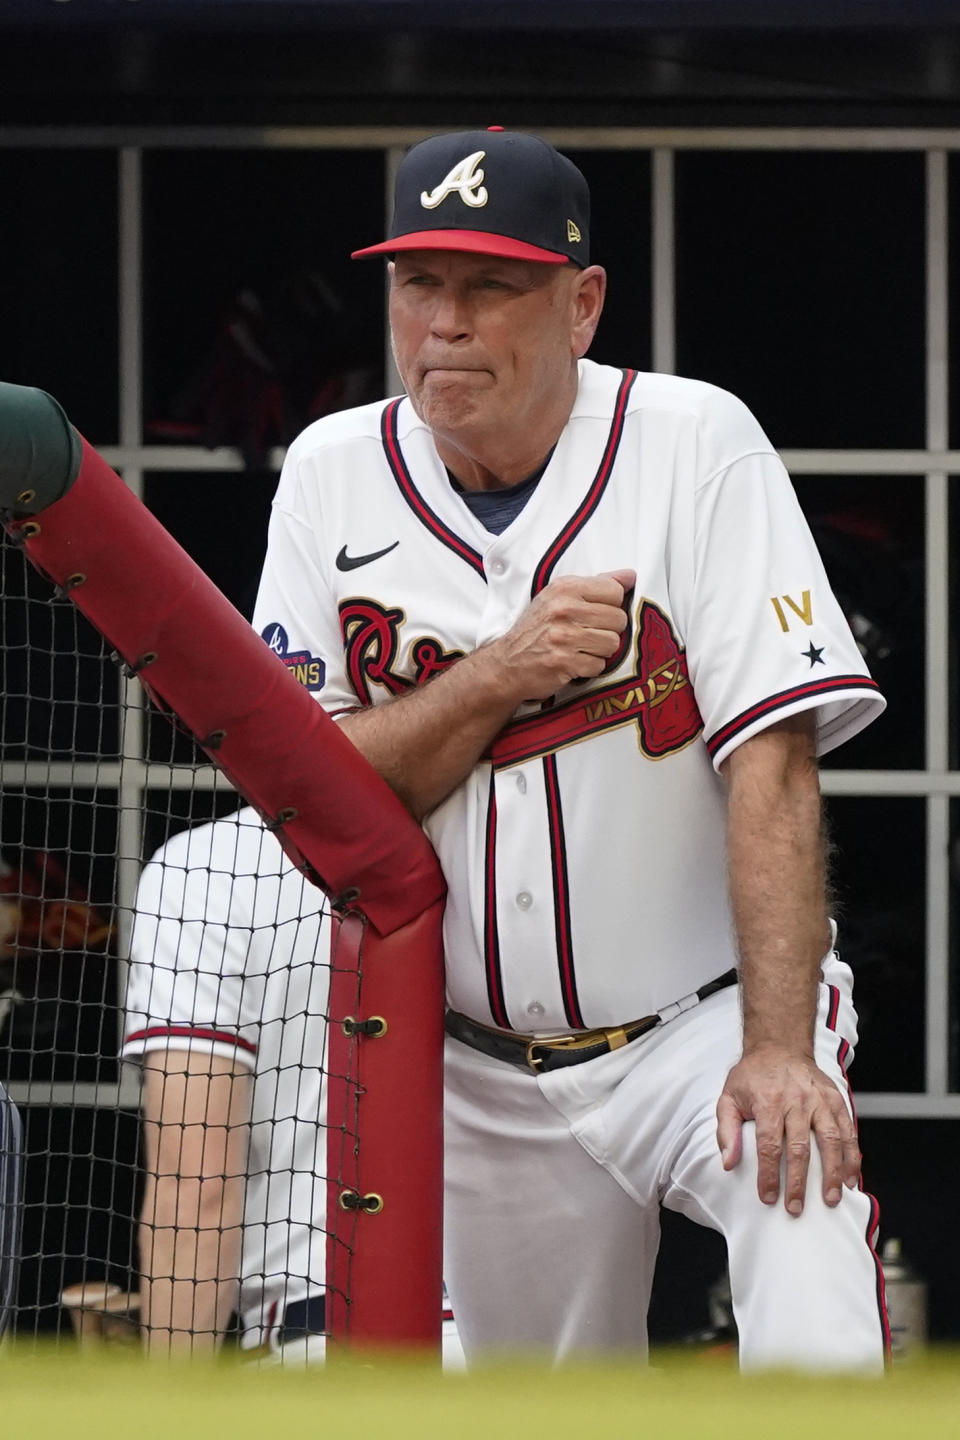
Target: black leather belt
552 1052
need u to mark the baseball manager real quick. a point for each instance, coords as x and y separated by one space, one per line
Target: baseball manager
574 616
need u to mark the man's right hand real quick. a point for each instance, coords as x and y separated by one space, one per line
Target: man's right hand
425 743
569 632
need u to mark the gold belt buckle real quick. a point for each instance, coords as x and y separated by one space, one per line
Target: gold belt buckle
533 1060
556 1042
615 1036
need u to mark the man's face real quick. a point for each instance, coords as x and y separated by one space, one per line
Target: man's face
483 345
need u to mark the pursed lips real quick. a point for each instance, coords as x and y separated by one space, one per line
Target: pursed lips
455 370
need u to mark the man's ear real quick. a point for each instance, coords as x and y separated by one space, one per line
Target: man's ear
591 289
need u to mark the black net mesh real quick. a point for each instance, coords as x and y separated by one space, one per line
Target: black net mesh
163 989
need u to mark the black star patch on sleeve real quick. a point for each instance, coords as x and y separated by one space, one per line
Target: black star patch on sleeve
814 655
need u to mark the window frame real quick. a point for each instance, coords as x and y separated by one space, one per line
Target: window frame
936 784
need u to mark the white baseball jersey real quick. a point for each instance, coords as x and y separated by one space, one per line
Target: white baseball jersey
585 856
230 956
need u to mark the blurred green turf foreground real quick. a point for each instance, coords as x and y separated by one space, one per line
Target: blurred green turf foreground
116 1395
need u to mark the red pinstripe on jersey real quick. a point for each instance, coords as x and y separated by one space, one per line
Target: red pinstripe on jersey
541 578
491 936
542 574
410 493
585 509
561 895
873 1222
192 1032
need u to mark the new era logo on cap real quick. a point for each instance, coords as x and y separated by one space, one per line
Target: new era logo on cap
493 192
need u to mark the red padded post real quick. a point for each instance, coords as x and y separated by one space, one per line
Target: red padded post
385 1136
198 658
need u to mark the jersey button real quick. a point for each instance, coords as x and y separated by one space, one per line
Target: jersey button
535 1008
498 567
522 783
524 900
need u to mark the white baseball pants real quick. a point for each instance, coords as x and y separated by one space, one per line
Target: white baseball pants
554 1183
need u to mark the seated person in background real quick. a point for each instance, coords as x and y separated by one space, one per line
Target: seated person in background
226 1002
226 1008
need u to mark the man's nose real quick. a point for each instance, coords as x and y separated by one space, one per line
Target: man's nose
451 318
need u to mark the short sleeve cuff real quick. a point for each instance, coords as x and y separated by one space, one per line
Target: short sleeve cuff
199 1039
846 704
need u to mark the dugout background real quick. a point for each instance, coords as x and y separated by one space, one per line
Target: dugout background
776 188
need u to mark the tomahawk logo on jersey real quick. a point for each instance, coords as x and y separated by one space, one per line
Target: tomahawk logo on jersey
674 479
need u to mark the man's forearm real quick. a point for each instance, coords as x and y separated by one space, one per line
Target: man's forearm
778 886
778 889
426 742
190 1244
196 1132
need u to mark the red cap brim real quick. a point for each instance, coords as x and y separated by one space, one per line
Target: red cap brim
477 242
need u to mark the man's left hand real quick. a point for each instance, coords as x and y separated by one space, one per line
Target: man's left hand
788 1097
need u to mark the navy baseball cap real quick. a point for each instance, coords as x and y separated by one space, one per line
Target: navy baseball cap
490 192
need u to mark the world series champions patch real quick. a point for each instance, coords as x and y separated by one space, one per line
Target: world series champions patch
309 669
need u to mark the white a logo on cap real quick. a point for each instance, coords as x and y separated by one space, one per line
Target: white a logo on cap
464 179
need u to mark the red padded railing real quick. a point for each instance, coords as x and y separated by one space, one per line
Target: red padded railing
198 659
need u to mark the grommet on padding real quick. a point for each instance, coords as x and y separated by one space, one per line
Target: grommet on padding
373 1028
370 1204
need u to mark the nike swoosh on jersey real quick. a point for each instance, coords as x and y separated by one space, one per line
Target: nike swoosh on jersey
353 562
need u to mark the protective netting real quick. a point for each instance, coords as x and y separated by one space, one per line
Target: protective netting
240 707
150 930
226 1004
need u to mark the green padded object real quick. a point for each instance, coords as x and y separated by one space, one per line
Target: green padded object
40 452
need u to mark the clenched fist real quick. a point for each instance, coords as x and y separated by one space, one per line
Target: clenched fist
569 632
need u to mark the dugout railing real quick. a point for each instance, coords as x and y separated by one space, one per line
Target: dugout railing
101 550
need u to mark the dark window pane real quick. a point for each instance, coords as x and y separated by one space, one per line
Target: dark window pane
58 689
166 744
953 305
167 812
954 983
57 966
879 881
256 319
910 1164
80 1196
954 640
220 519
58 281
870 533
800 287
620 241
